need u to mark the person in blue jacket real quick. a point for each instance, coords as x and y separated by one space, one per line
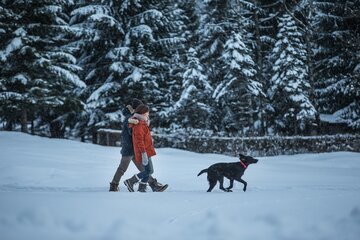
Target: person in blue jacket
127 152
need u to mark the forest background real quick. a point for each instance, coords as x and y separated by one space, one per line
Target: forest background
235 67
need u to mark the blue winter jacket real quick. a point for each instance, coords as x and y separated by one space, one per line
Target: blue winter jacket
126 136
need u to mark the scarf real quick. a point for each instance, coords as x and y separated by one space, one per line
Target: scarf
143 118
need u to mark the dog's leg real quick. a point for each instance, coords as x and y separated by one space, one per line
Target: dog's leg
238 178
212 184
231 185
243 182
212 181
221 181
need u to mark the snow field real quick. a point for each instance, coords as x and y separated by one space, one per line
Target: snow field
58 189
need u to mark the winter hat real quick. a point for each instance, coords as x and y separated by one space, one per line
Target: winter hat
135 103
142 108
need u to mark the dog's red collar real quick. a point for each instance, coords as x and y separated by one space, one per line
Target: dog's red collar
243 164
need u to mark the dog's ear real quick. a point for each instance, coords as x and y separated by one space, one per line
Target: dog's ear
241 156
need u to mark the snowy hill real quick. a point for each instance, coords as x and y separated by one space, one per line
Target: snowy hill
58 189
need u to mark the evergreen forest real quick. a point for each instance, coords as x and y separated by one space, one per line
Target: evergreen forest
239 67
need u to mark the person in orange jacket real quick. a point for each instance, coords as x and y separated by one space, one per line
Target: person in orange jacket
127 152
143 148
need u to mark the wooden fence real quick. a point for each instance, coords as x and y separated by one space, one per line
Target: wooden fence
255 146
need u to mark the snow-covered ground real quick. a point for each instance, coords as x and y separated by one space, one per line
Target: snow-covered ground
58 189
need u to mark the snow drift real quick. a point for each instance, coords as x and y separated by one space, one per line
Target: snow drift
58 189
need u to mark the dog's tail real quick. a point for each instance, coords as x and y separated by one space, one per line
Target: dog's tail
202 171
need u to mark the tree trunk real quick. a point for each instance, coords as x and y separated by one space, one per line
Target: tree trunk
9 125
309 31
259 62
24 127
94 136
56 130
32 127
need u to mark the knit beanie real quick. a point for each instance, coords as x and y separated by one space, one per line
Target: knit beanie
142 108
135 103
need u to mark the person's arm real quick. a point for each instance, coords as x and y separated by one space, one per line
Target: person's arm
139 136
132 121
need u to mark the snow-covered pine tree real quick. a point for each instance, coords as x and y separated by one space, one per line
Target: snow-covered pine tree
237 93
254 19
149 25
289 92
188 21
39 75
192 109
177 65
261 16
100 34
337 60
10 102
213 31
142 83
183 23
213 27
246 17
303 12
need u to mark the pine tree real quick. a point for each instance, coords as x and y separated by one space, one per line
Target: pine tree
170 54
192 109
289 91
262 15
132 63
337 60
212 36
237 93
182 26
39 75
101 33
188 21
152 26
9 43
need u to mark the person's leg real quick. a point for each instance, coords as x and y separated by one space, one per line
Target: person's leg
123 166
153 183
144 176
138 165
148 170
129 183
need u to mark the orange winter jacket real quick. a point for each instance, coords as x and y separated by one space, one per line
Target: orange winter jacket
142 140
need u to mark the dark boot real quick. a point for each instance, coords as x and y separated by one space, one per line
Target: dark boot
114 187
129 183
142 187
156 186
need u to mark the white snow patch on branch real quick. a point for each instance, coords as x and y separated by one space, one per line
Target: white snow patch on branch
15 44
69 76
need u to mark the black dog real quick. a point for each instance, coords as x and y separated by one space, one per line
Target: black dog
232 171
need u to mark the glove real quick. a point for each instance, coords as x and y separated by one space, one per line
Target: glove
144 159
